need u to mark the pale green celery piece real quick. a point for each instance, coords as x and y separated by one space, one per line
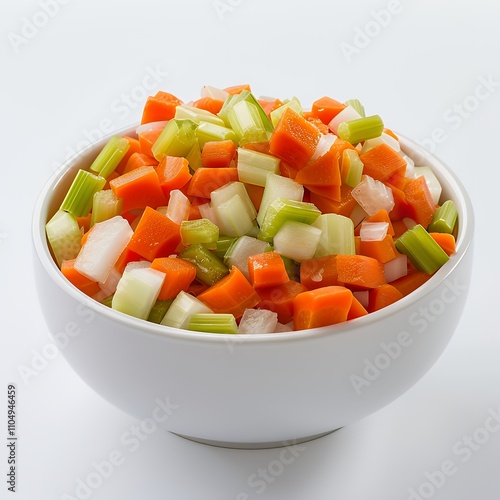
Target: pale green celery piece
209 268
78 199
64 236
158 311
355 168
181 309
176 139
297 240
213 323
200 231
110 156
242 248
253 166
245 120
228 104
356 104
423 251
234 216
337 235
207 131
444 219
292 268
293 103
223 244
263 115
194 156
105 205
282 210
355 131
107 301
197 115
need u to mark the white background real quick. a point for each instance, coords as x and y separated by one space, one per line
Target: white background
82 72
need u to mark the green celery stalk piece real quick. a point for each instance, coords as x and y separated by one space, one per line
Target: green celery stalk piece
355 131
355 168
78 199
423 251
207 131
444 219
268 125
223 244
213 323
209 268
64 236
107 301
197 115
254 166
158 311
337 235
194 156
246 122
293 103
105 205
356 104
110 156
201 231
176 139
282 210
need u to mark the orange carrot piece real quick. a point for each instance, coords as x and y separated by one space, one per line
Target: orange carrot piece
260 147
399 228
419 199
137 160
357 309
269 106
173 173
179 274
382 163
329 206
294 139
401 207
321 307
147 139
125 257
267 269
134 147
238 89
391 133
326 109
316 122
359 272
209 104
194 212
155 235
255 194
84 222
232 294
383 296
446 242
410 282
279 299
160 107
323 171
84 284
383 250
197 287
205 180
286 170
216 154
139 188
319 272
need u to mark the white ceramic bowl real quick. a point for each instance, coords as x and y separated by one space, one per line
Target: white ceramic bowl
254 390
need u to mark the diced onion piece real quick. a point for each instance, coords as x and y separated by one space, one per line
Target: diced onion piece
337 235
410 167
324 145
109 286
150 126
281 328
348 113
363 296
179 207
214 93
242 248
373 231
137 264
181 310
297 240
396 268
432 182
373 195
382 139
258 321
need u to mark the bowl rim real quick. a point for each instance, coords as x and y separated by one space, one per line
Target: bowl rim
142 327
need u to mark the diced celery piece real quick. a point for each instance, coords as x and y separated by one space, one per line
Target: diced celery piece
78 199
297 240
181 310
107 301
104 244
194 156
158 311
444 218
276 186
64 236
137 291
110 156
197 115
226 192
382 139
209 268
373 195
234 216
423 251
258 321
355 172
200 231
105 205
213 323
355 131
432 181
282 210
210 132
179 206
337 235
176 139
242 248
293 103
254 230
292 268
356 104
253 166
348 113
223 244
244 118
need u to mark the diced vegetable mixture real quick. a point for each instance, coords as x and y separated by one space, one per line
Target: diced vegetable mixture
237 214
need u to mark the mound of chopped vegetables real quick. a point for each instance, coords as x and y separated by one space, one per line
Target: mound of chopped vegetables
233 214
